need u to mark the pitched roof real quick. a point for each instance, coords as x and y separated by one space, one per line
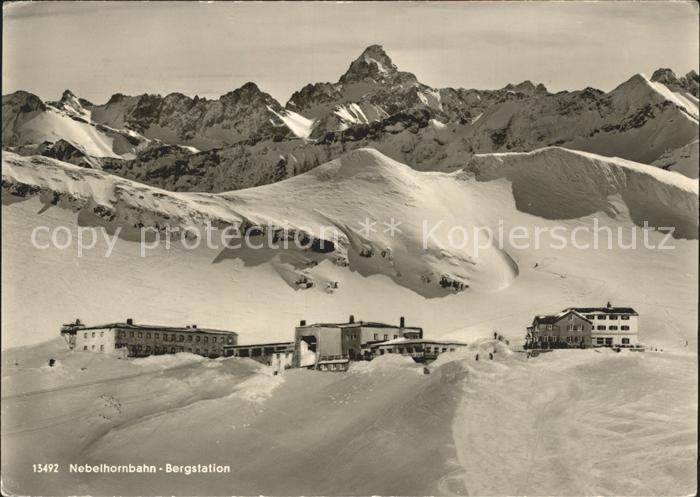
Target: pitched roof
554 318
365 324
607 310
155 327
414 341
260 345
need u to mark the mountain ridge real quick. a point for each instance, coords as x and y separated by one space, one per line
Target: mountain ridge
247 138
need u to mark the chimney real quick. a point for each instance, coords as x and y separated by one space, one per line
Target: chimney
194 326
402 322
609 305
302 322
352 319
129 321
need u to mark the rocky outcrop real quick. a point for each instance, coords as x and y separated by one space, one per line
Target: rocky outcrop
689 83
243 114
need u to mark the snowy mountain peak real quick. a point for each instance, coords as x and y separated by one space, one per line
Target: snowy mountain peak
373 63
73 105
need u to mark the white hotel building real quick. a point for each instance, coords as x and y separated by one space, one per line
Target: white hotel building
612 326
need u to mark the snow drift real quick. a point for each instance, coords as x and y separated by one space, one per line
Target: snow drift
557 183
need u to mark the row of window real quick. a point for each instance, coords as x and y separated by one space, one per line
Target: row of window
332 367
85 335
579 327
607 316
608 341
172 337
386 337
411 350
164 350
551 338
102 347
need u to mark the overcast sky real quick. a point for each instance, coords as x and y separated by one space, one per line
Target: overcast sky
207 49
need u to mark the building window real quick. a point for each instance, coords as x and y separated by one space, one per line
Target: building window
181 338
626 328
148 335
102 348
197 338
600 327
230 339
376 336
613 328
157 336
569 327
84 347
189 338
102 333
613 316
386 337
140 334
92 347
122 333
206 339
549 327
601 316
131 334
599 341
625 341
221 339
93 334
172 350
590 316
571 317
624 317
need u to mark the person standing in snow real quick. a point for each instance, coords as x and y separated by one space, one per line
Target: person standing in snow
477 357
490 356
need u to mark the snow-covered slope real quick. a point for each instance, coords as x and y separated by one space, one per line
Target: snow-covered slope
450 286
682 160
556 183
26 120
383 428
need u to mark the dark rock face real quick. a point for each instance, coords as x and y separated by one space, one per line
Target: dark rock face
690 82
373 64
242 114
67 152
21 101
